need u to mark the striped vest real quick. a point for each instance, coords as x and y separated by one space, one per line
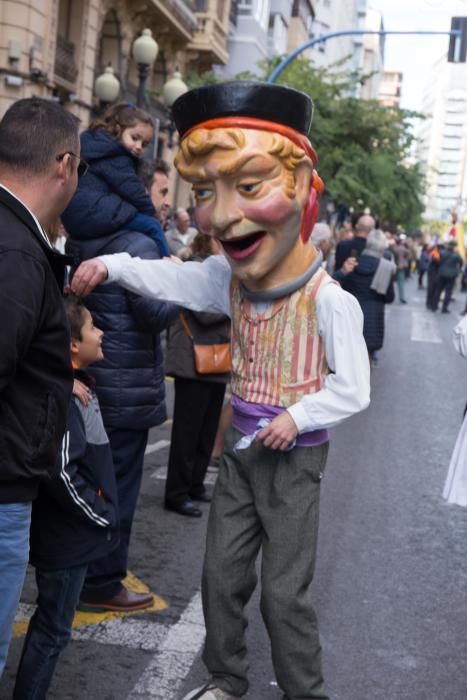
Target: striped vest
278 356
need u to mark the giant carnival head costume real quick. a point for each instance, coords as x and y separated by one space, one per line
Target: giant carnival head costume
244 147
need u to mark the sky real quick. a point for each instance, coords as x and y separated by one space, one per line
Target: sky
414 55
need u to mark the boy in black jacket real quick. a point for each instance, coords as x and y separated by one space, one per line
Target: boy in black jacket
74 518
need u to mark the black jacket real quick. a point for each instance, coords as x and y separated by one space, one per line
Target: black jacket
35 368
347 249
130 380
75 516
111 194
450 264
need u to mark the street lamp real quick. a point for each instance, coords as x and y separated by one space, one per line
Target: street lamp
171 91
107 86
144 50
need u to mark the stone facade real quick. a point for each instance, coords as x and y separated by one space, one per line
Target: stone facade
57 48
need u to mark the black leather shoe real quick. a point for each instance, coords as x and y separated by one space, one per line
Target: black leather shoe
203 498
187 508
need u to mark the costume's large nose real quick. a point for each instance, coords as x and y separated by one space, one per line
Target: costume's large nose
225 212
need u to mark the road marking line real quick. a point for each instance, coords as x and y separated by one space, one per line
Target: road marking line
175 655
84 619
146 635
161 473
424 329
155 446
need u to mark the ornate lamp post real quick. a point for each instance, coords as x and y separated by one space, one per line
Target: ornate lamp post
144 50
107 86
171 91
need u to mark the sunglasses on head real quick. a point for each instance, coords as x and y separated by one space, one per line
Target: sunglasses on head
82 165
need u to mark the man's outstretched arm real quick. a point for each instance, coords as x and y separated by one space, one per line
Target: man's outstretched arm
197 286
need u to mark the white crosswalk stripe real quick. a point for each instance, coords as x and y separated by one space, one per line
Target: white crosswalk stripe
174 658
424 328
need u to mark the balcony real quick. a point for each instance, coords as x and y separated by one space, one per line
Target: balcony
210 40
175 16
65 67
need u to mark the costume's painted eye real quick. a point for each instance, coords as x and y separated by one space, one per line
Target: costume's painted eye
249 187
202 193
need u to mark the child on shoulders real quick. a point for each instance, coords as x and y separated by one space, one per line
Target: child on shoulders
111 197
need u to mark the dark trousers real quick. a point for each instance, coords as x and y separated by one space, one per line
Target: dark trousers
432 279
105 576
264 500
49 630
445 284
197 409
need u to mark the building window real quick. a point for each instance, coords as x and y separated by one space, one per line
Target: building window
110 47
70 15
245 8
454 106
233 14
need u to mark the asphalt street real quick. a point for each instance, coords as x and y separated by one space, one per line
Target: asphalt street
391 580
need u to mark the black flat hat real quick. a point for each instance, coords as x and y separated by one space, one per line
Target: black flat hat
242 98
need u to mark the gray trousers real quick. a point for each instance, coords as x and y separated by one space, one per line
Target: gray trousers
266 500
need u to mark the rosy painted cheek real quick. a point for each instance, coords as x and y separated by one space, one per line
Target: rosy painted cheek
270 210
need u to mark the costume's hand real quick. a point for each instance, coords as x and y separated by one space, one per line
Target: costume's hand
82 392
88 275
280 432
349 265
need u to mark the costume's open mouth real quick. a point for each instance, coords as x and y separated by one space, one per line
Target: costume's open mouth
243 246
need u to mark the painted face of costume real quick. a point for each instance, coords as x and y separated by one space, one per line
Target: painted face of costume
252 190
253 205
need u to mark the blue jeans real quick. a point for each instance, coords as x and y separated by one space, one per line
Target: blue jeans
400 279
15 521
49 630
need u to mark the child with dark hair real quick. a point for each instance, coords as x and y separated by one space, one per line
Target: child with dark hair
74 518
112 197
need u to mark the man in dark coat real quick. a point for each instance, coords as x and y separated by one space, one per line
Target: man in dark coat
353 247
39 167
450 264
131 392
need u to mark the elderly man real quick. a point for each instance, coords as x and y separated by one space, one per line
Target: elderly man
182 235
299 366
353 247
39 170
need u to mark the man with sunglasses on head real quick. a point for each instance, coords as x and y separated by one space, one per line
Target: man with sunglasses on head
39 169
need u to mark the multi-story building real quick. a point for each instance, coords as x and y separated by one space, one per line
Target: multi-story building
373 56
390 88
248 41
57 48
442 136
261 29
264 28
345 52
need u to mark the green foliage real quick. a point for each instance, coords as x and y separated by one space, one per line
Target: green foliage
364 147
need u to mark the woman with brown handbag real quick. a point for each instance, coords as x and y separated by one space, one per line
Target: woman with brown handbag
198 358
